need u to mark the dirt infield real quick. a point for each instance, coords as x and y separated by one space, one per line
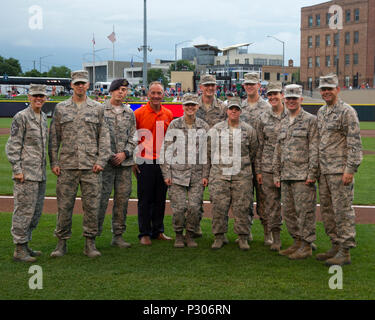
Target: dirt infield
364 214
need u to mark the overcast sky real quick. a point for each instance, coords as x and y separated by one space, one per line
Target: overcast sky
68 27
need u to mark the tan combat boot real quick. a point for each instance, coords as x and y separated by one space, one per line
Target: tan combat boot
268 240
276 244
219 241
21 253
341 258
90 249
190 241
303 252
60 249
329 254
179 242
294 247
242 242
118 241
32 252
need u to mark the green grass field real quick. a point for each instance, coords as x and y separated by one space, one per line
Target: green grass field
162 272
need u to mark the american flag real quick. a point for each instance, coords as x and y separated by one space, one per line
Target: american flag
93 39
112 37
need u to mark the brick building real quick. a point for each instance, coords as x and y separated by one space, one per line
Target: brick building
356 43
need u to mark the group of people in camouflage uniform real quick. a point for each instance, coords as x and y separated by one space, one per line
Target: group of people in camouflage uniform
274 150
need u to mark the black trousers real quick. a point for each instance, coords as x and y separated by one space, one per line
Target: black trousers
152 192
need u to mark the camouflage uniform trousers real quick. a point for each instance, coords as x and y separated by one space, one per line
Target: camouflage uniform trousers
235 193
272 203
185 204
336 209
66 191
28 206
121 179
299 205
260 200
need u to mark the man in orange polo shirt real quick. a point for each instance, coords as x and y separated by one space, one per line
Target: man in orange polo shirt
152 123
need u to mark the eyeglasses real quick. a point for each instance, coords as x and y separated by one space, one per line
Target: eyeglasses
38 95
79 83
326 89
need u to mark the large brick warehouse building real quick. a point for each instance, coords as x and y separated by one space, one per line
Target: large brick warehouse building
356 43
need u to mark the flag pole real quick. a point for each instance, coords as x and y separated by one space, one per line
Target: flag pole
113 64
93 66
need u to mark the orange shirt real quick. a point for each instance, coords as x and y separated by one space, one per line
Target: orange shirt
151 127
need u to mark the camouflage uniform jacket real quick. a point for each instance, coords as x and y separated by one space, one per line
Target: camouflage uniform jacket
268 129
214 115
26 146
251 115
122 127
192 164
225 164
340 146
296 151
81 134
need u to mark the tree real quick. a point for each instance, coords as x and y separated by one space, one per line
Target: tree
157 75
32 73
59 72
182 65
10 66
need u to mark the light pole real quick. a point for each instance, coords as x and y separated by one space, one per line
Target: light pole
144 48
40 62
283 65
175 53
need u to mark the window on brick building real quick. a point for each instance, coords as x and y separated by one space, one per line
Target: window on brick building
266 76
347 38
347 15
309 42
356 14
328 61
336 39
309 83
247 61
328 40
278 76
317 41
236 61
317 20
347 59
335 60
355 58
309 62
328 17
356 36
310 21
317 61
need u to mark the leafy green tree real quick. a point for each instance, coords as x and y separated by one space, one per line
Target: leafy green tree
33 73
157 75
59 72
10 66
182 65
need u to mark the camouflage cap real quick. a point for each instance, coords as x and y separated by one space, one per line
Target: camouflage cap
207 79
190 98
235 102
329 81
37 89
293 91
274 87
80 76
251 77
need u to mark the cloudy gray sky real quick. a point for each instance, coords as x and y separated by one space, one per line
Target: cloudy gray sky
68 27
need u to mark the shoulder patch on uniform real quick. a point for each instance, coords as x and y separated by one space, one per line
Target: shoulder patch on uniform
14 128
